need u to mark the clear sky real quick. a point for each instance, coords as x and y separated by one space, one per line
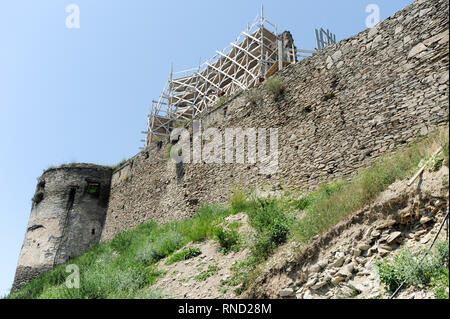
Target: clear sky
83 94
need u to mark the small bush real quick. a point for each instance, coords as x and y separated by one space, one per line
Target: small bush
183 255
406 266
439 284
228 239
271 225
275 86
437 165
262 247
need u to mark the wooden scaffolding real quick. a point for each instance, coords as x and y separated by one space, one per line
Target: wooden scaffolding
257 53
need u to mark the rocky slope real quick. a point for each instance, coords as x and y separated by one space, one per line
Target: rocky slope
340 263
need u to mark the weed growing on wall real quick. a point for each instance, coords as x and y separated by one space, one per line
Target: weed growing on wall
274 86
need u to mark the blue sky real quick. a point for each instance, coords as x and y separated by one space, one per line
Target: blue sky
83 95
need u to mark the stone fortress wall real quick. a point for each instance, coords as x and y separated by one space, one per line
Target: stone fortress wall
341 109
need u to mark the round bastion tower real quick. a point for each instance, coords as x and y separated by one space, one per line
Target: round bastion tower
67 217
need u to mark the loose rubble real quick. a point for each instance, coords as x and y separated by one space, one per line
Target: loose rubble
341 263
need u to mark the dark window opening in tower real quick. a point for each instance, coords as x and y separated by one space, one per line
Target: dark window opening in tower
93 189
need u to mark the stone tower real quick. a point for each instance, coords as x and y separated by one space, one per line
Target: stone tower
67 217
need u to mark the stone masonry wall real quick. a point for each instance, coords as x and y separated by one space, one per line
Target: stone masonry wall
66 220
343 107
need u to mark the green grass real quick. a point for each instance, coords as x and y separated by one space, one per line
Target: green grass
211 271
439 284
125 267
276 220
244 273
333 202
168 150
270 219
183 255
406 266
238 200
271 223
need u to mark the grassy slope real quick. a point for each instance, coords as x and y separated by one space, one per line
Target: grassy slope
125 267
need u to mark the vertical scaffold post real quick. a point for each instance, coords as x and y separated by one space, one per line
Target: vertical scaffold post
317 39
197 94
261 58
169 97
280 53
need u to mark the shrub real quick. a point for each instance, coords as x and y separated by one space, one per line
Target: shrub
271 225
406 266
275 86
228 239
262 247
244 273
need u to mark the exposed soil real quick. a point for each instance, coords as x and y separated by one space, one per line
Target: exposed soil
337 264
180 281
340 263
